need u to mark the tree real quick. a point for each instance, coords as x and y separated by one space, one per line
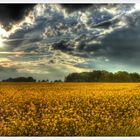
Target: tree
122 76
135 77
57 81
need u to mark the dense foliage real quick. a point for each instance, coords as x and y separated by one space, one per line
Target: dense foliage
103 76
20 79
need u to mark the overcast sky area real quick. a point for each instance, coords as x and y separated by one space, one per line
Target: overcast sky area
49 41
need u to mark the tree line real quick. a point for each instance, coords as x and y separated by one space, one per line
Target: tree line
28 79
103 76
94 76
20 79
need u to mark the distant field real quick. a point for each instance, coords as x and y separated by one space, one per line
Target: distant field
70 109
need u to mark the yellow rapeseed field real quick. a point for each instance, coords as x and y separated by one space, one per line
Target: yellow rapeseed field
70 109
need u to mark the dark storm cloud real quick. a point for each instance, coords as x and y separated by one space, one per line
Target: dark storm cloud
63 46
56 27
11 13
83 7
74 7
121 45
89 47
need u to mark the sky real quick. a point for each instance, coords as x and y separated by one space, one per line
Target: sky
49 41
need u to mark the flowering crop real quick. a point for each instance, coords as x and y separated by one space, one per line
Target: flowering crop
69 109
